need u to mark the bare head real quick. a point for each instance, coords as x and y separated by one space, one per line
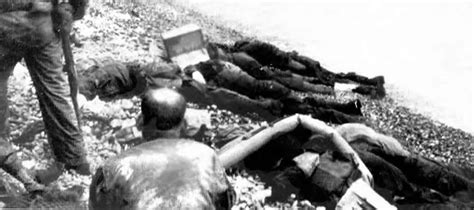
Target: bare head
163 112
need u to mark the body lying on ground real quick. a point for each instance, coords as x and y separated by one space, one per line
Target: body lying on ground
252 55
224 74
410 178
405 173
257 70
118 80
316 159
167 171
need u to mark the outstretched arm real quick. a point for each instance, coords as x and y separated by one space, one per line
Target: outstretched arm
239 149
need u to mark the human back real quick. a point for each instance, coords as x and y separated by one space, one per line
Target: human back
161 174
165 172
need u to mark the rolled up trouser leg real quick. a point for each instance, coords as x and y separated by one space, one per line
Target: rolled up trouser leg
55 103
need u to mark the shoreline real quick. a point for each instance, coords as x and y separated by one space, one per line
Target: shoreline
419 132
432 92
111 32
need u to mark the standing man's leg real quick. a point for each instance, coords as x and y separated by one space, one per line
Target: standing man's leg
8 61
55 101
9 160
4 112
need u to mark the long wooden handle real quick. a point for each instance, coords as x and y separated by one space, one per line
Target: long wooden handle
71 71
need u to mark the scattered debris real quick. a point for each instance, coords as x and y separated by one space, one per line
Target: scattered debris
129 33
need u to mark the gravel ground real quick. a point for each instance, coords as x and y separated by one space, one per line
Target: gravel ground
130 32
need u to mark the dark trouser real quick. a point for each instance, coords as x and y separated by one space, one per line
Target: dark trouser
431 174
265 53
326 114
117 80
356 78
347 108
286 78
241 82
385 174
238 99
373 87
333 116
388 176
314 69
52 89
230 100
298 84
269 55
425 172
376 92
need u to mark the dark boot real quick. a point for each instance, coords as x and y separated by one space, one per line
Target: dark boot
12 165
378 80
51 174
82 168
375 92
356 107
352 76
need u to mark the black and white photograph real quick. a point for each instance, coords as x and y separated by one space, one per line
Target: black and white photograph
236 104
